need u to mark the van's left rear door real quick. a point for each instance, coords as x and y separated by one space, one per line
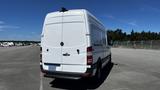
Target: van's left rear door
52 50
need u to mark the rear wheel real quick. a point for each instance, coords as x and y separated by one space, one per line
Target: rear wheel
98 73
97 76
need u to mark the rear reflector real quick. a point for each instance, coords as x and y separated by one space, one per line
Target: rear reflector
89 56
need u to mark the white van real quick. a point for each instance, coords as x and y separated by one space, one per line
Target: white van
73 45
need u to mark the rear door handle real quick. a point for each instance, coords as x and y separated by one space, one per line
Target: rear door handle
66 54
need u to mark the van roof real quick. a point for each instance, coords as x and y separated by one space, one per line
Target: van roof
72 12
69 12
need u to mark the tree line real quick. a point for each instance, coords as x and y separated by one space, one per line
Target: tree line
119 35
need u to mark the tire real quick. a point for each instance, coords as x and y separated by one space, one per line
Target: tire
98 74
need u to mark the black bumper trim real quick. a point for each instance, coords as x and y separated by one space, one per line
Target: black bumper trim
59 74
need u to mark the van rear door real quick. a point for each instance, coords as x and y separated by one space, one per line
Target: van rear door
52 50
75 43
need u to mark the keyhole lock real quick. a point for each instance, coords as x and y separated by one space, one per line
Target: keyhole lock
61 43
78 51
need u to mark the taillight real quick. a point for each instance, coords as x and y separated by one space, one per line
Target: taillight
89 55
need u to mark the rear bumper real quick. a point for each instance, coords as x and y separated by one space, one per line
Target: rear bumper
68 75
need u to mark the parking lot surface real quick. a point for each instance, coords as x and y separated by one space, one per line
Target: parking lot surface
19 68
132 69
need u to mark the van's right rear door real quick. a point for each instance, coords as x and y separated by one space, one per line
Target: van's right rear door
74 38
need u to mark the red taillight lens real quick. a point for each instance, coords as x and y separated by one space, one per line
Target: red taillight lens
89 49
89 56
89 60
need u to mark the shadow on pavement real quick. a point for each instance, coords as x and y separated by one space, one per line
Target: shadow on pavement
82 84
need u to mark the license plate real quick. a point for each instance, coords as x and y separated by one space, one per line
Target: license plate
52 68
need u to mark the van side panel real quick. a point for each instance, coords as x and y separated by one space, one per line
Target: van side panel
98 39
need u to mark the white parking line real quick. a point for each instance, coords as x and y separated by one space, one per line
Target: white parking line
41 81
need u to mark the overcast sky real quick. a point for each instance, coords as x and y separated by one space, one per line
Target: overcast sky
23 19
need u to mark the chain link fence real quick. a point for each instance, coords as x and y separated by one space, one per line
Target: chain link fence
152 44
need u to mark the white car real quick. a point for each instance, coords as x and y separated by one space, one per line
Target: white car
73 45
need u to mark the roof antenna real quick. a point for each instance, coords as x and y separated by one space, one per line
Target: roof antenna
63 9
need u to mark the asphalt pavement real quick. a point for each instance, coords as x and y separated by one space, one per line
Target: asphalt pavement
19 68
132 69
